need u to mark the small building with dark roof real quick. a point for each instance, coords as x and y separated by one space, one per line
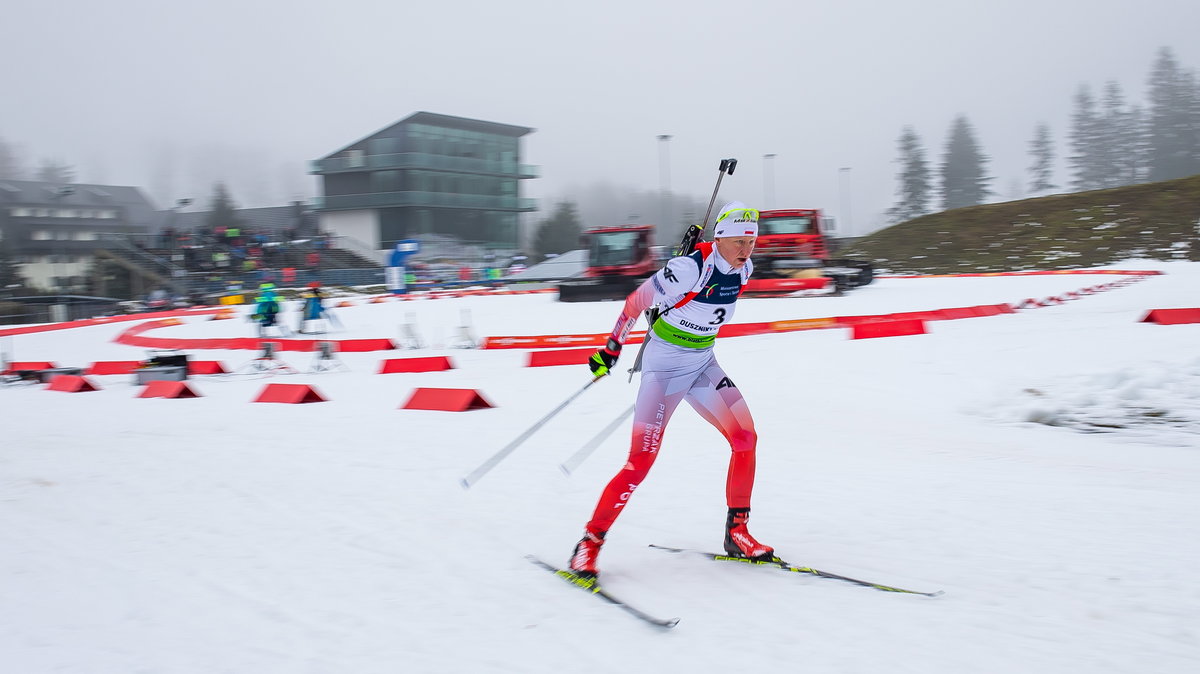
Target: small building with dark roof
427 174
52 230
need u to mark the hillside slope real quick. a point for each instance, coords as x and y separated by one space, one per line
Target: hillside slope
1085 229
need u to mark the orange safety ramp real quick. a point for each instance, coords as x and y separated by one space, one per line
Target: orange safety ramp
426 364
446 400
1172 316
168 389
902 328
71 383
289 393
559 357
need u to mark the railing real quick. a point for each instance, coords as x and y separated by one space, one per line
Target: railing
361 249
421 160
427 199
124 246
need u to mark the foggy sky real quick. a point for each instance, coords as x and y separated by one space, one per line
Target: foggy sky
173 98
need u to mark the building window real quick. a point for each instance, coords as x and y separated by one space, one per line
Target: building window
385 181
41 235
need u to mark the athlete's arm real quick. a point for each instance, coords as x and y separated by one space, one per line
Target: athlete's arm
664 288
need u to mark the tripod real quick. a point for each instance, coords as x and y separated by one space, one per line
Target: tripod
325 360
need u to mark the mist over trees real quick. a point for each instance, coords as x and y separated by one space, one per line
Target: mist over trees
605 204
10 163
962 169
1174 120
55 171
1041 172
222 211
558 233
916 186
1111 143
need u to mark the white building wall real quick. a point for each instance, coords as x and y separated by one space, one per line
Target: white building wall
362 225
40 274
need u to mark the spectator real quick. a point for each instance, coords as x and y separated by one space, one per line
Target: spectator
267 311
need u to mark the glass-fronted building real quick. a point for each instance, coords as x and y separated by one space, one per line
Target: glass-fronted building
427 174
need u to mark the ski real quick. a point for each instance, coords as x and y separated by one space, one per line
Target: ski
592 586
785 566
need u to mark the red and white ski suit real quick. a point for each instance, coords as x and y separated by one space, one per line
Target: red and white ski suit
679 364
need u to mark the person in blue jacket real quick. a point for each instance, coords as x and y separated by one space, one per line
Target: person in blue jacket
266 311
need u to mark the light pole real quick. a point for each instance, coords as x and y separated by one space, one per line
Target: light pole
664 180
768 180
844 190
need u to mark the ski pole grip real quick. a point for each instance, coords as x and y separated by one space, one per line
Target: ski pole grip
732 165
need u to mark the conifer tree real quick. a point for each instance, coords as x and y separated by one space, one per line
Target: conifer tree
963 179
914 190
10 165
1173 120
55 171
560 232
1086 171
1119 155
1042 170
222 212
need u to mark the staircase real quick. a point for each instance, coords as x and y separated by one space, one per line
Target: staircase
148 269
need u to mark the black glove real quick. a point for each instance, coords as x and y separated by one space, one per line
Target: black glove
603 360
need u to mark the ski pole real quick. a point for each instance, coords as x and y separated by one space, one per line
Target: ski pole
569 466
690 237
332 319
474 476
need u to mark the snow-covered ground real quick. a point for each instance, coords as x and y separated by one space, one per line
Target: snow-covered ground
1040 467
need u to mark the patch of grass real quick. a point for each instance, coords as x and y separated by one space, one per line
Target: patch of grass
1066 231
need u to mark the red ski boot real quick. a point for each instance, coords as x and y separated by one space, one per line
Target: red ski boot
583 560
739 542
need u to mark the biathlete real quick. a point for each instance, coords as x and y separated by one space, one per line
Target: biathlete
697 294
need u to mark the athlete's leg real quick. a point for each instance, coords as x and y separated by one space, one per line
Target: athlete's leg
715 397
657 399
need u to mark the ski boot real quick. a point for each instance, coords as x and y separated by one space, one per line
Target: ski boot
583 559
739 542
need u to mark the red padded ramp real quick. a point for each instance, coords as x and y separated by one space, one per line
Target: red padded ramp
559 357
18 366
429 364
206 367
71 383
446 400
113 367
168 389
1172 316
289 393
913 326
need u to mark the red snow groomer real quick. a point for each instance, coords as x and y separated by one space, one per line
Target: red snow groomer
619 258
791 244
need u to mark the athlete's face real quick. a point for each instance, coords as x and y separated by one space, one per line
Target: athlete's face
735 249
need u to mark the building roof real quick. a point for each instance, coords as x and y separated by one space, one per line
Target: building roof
60 195
445 121
271 219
